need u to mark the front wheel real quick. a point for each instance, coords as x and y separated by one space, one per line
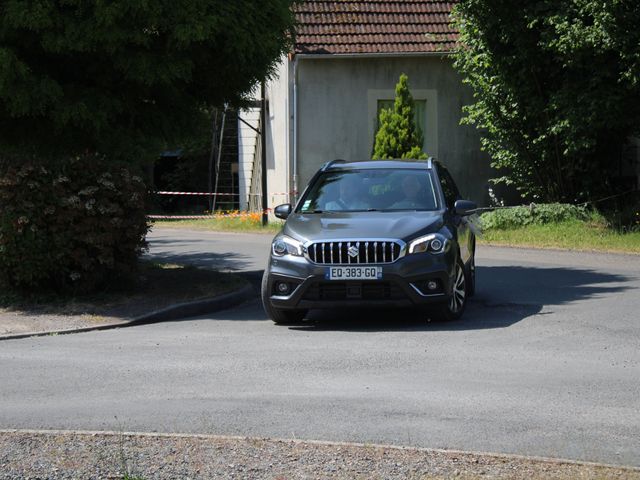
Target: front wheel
280 316
454 307
471 276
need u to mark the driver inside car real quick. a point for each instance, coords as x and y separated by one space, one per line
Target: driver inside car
411 189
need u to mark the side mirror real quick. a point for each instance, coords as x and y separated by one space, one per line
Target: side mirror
283 211
464 207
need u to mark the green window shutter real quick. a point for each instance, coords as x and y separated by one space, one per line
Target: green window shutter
419 114
384 104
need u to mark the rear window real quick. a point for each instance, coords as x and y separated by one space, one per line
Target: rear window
368 190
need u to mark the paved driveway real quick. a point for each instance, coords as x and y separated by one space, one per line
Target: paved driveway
545 362
225 251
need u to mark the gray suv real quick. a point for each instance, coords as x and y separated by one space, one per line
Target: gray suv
374 233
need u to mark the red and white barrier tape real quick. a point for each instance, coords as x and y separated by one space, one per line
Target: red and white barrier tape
198 193
218 194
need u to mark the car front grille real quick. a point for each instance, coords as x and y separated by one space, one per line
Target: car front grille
354 291
354 252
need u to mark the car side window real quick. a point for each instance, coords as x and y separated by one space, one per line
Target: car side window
451 193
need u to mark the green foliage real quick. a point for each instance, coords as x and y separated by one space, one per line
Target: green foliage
571 235
127 79
110 80
397 136
543 214
69 226
623 213
556 87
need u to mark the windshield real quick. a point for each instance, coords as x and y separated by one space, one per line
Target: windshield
374 189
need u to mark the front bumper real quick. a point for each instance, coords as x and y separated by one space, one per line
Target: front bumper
403 283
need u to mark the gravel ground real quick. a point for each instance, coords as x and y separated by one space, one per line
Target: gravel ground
12 322
65 455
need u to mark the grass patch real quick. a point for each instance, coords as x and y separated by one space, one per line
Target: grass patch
157 285
224 224
570 234
560 226
535 214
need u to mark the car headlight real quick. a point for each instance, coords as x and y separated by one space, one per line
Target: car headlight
433 243
282 246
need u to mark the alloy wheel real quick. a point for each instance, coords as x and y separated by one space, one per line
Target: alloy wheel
456 302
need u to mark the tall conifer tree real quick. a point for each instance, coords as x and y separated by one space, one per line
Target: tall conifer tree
398 135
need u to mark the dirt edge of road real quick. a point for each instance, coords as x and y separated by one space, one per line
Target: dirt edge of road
88 454
176 311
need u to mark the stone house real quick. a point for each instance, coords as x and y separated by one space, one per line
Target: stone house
324 101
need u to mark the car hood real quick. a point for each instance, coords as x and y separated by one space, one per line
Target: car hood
357 225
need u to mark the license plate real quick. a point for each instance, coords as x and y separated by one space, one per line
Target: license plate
353 273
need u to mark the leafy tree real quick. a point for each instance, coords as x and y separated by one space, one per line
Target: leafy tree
556 87
85 85
124 78
398 136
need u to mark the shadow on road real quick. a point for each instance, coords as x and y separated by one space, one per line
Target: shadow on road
219 261
505 295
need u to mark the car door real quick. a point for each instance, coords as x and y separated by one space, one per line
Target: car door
461 227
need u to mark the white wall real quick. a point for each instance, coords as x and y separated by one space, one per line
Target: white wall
247 140
337 108
337 99
278 140
279 136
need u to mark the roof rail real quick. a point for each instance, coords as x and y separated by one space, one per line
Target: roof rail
430 162
333 162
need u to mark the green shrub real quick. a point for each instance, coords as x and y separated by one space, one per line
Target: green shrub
622 212
398 135
73 225
517 217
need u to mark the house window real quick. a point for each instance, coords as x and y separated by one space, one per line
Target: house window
419 114
425 111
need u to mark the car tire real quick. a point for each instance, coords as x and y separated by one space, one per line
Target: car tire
280 316
455 305
471 275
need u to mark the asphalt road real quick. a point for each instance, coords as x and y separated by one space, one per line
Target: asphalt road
546 361
247 253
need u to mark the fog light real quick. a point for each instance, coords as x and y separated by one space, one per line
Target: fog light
432 285
436 245
282 287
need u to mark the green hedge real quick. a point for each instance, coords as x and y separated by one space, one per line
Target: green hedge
74 225
517 217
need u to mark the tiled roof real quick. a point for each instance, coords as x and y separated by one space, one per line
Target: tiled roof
374 26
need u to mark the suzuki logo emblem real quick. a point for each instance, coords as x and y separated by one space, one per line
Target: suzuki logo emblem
353 251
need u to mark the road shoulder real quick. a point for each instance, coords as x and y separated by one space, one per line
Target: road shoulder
60 454
52 324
